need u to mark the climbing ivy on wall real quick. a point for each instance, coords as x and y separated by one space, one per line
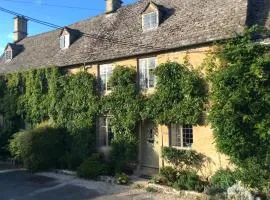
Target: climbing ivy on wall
34 96
180 95
123 104
239 73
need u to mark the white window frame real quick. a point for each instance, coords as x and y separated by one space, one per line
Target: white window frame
106 71
8 58
147 67
152 26
181 131
64 41
107 133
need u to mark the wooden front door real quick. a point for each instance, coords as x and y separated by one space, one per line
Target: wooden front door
150 145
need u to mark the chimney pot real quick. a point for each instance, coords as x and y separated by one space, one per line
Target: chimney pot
113 5
20 28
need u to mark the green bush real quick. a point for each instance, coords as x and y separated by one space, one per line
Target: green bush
169 173
122 154
41 148
223 179
159 179
189 180
181 158
122 179
92 167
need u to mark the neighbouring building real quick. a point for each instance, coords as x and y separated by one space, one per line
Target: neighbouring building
142 35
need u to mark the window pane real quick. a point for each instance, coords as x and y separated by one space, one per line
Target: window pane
62 42
153 19
187 136
103 81
66 41
176 135
8 55
151 78
150 21
105 74
143 73
146 22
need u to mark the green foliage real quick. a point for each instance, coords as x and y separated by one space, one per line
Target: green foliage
75 108
159 179
41 148
239 73
189 180
253 175
151 189
122 154
181 158
179 98
30 97
223 179
123 105
169 173
122 179
92 167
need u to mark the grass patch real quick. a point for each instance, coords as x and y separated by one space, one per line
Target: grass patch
151 189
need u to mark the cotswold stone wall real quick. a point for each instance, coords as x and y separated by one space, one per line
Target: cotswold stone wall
203 135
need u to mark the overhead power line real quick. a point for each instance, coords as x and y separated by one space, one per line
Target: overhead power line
91 35
52 5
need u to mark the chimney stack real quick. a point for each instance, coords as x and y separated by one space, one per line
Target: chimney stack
113 5
20 28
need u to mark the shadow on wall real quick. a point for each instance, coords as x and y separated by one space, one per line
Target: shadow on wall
258 13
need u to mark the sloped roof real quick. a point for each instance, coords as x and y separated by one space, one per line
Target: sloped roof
120 34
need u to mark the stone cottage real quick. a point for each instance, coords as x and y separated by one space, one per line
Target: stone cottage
142 35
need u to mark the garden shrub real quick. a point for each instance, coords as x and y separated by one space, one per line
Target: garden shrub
122 154
169 173
189 180
238 191
181 158
223 179
253 175
159 179
239 75
92 167
41 148
122 179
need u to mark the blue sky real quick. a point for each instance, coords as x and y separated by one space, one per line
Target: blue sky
52 11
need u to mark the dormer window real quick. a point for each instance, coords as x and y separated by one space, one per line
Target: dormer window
150 21
8 55
64 41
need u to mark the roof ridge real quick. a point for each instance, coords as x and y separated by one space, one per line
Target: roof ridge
81 21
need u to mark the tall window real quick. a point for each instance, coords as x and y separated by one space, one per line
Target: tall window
8 55
105 132
150 21
105 72
181 136
146 70
64 41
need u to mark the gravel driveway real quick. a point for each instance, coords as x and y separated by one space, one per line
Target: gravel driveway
21 185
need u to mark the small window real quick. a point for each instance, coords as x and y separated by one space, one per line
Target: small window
64 41
150 21
8 55
105 72
105 132
181 136
147 67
